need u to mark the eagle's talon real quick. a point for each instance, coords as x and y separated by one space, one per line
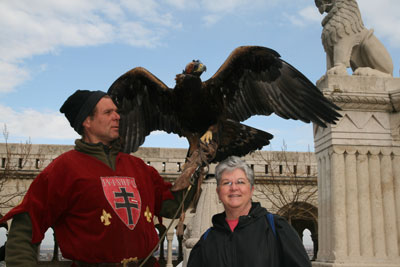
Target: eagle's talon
207 137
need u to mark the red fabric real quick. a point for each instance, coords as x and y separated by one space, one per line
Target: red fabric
69 196
232 223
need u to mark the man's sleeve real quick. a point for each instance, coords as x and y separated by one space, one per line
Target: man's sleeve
293 253
169 206
19 248
168 202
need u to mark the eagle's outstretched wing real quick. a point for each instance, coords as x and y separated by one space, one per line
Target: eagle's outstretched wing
255 81
145 104
238 139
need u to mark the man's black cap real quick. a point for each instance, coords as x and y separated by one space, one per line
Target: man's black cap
79 105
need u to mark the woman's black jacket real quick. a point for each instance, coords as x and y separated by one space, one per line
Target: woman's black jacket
252 243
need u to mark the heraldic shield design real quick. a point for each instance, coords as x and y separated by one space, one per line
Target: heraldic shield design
124 198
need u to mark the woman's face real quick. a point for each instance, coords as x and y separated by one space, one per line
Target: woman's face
234 189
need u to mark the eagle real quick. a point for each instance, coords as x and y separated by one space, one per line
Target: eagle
253 80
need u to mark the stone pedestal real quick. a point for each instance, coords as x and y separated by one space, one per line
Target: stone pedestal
359 174
208 205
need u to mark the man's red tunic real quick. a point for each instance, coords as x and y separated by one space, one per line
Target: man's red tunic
98 214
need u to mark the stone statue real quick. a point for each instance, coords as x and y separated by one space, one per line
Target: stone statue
348 43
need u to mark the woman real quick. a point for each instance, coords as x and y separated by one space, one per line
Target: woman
243 235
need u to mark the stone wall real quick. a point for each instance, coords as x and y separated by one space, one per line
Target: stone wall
269 166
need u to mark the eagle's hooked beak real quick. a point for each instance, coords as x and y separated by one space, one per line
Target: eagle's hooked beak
195 68
200 68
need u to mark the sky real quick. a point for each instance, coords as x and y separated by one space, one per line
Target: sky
49 49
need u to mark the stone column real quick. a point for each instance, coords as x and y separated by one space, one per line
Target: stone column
207 206
359 174
170 237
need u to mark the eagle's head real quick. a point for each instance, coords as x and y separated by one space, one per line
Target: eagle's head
195 68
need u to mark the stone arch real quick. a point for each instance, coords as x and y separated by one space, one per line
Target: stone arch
303 215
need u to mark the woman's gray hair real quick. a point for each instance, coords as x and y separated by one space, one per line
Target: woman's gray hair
230 164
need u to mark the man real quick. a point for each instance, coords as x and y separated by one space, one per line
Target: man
99 201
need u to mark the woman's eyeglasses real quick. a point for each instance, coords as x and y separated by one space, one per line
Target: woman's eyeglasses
238 182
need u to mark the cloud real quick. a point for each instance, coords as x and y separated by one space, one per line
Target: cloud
224 6
136 34
35 27
32 28
11 76
211 19
384 17
215 10
183 4
35 124
149 11
311 14
163 139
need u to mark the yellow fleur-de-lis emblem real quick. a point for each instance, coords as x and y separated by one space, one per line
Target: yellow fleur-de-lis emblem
105 218
148 214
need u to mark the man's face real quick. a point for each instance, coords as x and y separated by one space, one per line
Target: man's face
103 126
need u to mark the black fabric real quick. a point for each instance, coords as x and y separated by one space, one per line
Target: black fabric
3 252
252 243
79 105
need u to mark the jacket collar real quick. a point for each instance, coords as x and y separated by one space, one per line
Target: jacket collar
255 212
